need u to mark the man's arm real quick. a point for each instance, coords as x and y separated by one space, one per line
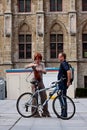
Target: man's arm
68 78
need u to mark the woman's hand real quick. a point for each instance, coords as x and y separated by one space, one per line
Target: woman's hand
40 70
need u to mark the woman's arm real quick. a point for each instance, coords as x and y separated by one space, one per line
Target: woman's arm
44 70
30 65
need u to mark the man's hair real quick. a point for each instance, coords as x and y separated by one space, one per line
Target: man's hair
63 54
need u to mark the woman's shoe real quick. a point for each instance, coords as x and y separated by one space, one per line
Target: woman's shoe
46 115
37 116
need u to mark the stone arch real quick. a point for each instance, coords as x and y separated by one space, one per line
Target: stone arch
56 40
24 41
61 24
24 28
56 28
84 29
81 26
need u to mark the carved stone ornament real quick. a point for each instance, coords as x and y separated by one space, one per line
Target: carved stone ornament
72 24
7 26
40 25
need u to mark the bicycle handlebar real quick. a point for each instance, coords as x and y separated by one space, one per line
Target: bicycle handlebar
56 82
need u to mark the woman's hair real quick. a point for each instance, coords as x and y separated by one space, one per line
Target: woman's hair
37 54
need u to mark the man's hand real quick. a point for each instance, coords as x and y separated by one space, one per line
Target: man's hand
68 84
68 78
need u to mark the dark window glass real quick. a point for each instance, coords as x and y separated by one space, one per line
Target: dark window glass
52 5
25 46
28 38
85 81
21 38
59 5
59 38
21 51
28 5
21 54
59 48
53 50
84 50
84 5
21 5
21 47
84 41
55 5
24 5
56 45
84 37
28 51
53 38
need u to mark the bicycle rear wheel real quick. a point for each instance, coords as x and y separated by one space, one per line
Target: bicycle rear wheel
26 105
60 107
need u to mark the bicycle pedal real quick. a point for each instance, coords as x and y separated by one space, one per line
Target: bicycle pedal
26 107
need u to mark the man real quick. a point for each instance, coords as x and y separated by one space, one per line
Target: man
64 72
38 75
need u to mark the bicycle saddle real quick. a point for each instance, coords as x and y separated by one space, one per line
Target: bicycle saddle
35 82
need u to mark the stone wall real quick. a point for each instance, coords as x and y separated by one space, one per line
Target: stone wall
40 21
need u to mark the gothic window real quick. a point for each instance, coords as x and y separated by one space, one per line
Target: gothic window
56 41
25 43
55 5
24 5
84 5
84 42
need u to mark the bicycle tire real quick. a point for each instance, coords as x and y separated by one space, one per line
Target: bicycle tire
57 110
23 105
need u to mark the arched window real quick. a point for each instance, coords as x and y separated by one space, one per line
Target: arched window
84 41
55 5
84 5
56 41
25 42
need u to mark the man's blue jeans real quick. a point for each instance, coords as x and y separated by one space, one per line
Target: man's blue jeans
63 102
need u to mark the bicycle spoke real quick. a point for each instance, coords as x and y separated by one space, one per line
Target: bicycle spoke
64 107
27 105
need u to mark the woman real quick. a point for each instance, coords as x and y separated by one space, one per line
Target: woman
38 75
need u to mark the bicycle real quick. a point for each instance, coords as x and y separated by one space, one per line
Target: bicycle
27 104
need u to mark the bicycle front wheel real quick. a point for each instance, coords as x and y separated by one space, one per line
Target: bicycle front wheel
26 105
64 107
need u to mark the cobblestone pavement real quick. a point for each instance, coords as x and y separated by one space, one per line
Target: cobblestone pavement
11 120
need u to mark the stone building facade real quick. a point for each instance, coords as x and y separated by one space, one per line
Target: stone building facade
46 26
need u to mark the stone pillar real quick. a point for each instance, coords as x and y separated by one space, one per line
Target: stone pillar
72 5
72 31
1 8
40 28
8 6
73 38
7 33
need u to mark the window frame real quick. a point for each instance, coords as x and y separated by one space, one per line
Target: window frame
25 43
56 42
25 9
83 6
85 81
83 42
56 7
